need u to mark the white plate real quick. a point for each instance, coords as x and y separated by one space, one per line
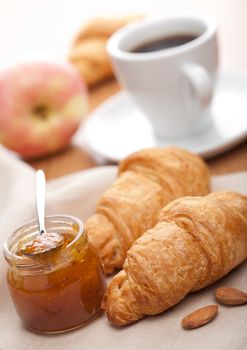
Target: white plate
117 127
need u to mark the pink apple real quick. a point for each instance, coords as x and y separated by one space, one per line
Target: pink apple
41 106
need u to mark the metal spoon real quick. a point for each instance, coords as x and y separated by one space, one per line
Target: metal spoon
45 241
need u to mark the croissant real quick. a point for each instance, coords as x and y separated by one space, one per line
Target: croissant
104 26
196 241
147 180
91 59
88 52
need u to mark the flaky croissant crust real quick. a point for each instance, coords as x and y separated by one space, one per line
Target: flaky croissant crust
196 241
147 180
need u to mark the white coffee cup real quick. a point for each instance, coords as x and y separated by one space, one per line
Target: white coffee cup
173 87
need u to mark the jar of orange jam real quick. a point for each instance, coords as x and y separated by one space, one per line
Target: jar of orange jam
58 290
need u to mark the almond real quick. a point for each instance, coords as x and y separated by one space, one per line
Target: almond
230 296
200 317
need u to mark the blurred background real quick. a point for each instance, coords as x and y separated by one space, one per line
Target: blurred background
50 25
48 28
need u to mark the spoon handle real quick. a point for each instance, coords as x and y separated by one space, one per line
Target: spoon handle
40 199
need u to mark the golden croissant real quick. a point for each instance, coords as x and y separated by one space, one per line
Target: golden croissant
147 180
88 52
196 241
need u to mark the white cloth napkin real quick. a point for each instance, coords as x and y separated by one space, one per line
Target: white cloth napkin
76 194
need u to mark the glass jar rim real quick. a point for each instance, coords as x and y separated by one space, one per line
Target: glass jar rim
18 261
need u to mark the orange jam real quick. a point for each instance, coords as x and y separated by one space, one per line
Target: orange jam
43 243
59 290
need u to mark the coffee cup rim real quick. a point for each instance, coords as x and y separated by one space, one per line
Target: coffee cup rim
114 42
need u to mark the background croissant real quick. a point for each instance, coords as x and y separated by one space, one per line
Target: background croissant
196 241
88 52
147 180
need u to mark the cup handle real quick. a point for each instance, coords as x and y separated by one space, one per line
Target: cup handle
200 81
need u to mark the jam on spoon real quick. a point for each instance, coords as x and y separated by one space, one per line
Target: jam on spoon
45 241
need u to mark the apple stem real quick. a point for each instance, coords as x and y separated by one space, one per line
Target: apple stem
41 112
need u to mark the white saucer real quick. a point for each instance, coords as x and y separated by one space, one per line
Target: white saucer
117 127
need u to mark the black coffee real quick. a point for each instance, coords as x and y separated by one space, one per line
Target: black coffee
164 43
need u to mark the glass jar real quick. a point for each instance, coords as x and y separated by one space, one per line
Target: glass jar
56 291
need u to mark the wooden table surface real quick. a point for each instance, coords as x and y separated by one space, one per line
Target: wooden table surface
75 159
